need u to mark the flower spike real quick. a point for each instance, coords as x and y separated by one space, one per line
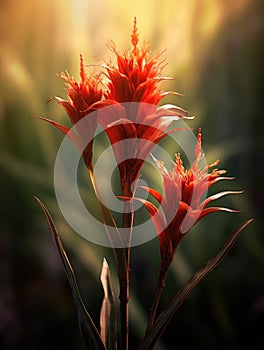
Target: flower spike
134 37
182 202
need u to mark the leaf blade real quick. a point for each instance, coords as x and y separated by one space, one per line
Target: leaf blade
87 327
162 321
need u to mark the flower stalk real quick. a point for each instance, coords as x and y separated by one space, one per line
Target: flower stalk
122 266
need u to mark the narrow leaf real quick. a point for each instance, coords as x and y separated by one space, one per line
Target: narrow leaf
108 314
162 321
87 326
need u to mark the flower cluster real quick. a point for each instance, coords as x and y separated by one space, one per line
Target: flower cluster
124 99
131 90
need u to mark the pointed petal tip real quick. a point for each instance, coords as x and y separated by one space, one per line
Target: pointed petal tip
38 116
62 128
219 195
229 210
224 178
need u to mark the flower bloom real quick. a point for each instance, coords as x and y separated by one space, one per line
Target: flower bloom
83 98
182 202
131 91
137 75
134 83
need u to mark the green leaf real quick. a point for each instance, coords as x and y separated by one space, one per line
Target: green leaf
108 311
87 327
162 321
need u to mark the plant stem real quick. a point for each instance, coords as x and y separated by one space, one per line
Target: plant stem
127 225
154 308
124 298
156 301
122 257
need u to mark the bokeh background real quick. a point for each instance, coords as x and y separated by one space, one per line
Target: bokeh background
215 52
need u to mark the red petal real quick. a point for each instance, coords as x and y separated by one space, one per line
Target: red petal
62 128
155 213
154 193
211 210
109 112
218 195
72 113
66 131
176 110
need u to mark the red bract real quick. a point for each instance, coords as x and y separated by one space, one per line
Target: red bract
83 98
134 83
133 91
137 75
182 202
133 139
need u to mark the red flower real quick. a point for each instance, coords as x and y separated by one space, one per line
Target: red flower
134 86
182 203
133 91
137 75
83 98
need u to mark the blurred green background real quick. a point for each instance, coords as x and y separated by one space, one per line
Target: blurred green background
215 52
